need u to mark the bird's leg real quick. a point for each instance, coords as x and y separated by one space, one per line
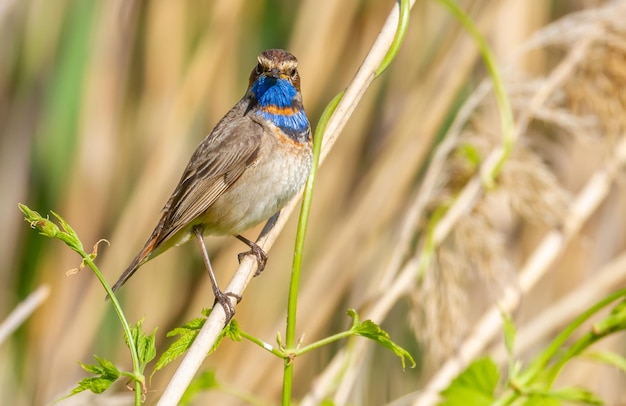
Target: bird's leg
269 225
220 297
259 254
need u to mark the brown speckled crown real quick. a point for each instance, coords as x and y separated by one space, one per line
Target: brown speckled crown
279 60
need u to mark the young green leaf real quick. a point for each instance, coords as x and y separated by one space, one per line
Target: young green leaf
371 330
541 401
145 344
68 235
187 334
354 316
475 386
231 331
106 373
609 358
570 394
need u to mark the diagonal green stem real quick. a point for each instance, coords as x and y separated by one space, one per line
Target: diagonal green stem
540 366
541 362
506 113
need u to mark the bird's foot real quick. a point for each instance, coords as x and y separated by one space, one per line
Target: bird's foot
259 254
223 298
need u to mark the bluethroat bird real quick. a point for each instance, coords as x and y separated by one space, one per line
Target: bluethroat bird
250 165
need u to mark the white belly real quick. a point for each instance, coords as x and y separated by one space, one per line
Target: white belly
264 188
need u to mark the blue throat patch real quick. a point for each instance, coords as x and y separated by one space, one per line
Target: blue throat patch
273 92
274 95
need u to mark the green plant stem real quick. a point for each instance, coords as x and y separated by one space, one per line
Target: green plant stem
541 362
325 341
291 352
276 351
506 113
576 349
616 321
139 379
540 367
403 25
66 234
305 210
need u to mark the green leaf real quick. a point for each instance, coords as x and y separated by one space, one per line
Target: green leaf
232 331
354 316
205 381
91 368
371 330
108 368
106 373
187 334
541 401
144 343
475 386
571 394
94 384
68 235
192 325
609 358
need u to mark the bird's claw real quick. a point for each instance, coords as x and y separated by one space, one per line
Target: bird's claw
223 299
259 254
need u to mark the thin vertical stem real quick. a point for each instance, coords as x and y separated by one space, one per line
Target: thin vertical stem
294 284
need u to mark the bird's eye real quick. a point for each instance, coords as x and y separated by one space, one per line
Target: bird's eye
292 72
259 69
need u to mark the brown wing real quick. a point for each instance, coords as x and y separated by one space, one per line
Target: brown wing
217 163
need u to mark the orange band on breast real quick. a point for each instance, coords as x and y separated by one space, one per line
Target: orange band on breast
283 111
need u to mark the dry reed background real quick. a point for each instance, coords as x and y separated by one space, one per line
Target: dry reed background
101 104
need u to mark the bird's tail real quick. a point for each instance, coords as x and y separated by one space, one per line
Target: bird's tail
144 255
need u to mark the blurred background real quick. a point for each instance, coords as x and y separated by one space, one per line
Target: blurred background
102 103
